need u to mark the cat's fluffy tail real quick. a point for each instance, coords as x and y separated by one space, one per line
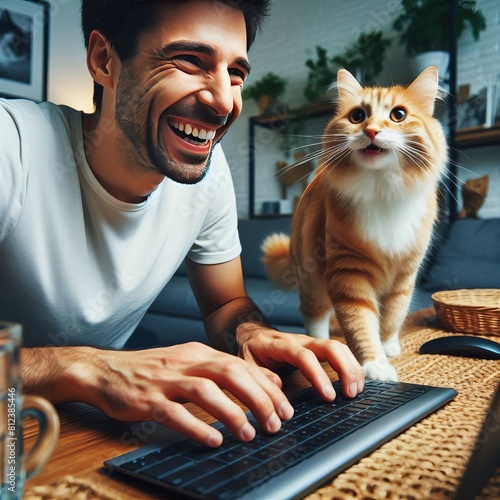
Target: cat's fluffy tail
276 258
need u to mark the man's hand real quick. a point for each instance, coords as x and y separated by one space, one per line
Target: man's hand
234 324
270 348
152 384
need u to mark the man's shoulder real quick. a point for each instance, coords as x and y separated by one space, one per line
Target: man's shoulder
28 114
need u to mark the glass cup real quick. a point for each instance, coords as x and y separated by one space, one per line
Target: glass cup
15 465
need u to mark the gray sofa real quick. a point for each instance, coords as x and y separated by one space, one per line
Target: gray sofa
466 256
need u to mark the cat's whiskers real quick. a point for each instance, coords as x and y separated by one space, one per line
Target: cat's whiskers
324 156
334 153
421 157
328 153
456 164
457 182
447 187
323 165
316 155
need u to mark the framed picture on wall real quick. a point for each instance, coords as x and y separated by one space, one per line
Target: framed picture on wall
23 48
477 110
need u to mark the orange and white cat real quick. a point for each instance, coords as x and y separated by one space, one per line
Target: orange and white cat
365 221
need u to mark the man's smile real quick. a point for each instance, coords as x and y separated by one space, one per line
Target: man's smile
192 133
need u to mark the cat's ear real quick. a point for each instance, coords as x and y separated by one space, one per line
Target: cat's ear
347 85
425 89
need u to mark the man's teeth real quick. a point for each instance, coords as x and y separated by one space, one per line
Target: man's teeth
204 135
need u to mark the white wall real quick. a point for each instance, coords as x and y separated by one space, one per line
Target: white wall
69 81
288 39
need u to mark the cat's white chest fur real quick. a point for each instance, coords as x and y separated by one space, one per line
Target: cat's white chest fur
387 215
394 230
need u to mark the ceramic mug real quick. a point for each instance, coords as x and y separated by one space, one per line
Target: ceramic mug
15 465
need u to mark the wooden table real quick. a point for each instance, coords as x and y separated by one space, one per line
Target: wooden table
88 437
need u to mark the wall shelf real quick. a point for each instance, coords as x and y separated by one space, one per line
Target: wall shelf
278 122
478 136
278 117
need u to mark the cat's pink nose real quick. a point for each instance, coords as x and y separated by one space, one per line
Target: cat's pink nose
371 132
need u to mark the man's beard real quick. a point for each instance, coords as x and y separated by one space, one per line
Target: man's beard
139 148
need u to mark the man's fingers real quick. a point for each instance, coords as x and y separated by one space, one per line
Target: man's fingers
178 418
293 353
249 384
209 396
307 353
257 390
342 360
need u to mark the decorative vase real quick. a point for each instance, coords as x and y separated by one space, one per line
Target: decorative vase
438 58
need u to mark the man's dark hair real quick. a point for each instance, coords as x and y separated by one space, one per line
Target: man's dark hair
121 22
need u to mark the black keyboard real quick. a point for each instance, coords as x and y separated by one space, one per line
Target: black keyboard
320 441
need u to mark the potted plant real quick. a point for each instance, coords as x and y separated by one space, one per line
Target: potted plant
365 58
425 29
265 91
322 73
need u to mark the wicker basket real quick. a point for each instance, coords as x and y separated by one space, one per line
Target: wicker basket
469 311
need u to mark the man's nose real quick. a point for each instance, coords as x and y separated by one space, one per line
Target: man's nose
217 94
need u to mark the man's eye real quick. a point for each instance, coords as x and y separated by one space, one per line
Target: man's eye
194 60
238 74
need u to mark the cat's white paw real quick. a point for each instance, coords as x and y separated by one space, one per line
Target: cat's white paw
380 370
392 347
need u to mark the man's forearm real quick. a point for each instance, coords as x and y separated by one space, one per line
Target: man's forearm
58 374
238 316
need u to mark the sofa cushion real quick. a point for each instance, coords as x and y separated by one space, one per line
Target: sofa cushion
421 299
252 234
171 330
468 258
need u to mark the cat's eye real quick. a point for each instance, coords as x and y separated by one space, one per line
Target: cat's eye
357 115
398 114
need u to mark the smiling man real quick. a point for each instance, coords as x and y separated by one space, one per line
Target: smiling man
98 211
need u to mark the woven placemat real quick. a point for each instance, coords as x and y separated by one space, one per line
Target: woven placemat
427 460
70 488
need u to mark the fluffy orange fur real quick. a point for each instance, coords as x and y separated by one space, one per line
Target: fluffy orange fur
365 221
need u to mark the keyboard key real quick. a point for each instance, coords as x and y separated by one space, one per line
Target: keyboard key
178 448
240 467
134 465
230 456
210 464
183 476
209 482
160 469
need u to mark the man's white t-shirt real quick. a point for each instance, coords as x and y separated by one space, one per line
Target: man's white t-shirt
77 266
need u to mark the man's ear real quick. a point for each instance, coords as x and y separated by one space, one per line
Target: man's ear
99 59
